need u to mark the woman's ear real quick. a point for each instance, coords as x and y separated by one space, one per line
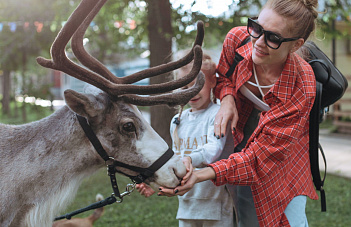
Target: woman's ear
297 44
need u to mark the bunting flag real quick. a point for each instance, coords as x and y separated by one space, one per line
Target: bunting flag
39 26
13 26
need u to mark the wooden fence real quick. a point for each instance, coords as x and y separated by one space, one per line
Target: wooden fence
341 112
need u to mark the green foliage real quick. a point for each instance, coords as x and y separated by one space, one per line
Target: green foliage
184 26
121 27
24 42
34 113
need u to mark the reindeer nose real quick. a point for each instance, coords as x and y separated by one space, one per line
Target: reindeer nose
179 169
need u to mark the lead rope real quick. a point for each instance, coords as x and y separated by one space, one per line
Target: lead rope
108 201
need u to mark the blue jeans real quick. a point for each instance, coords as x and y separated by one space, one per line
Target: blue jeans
295 211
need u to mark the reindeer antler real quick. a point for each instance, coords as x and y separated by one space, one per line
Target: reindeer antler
101 77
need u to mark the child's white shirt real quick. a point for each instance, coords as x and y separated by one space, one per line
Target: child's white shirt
205 201
196 135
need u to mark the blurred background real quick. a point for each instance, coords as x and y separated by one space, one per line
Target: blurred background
129 36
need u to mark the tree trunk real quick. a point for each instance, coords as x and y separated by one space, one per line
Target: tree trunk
6 92
160 38
24 63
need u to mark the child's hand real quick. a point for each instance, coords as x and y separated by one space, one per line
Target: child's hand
145 190
189 169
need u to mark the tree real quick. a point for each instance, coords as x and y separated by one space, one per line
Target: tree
22 40
6 92
160 45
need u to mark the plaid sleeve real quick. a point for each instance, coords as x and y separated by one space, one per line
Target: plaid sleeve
226 86
270 145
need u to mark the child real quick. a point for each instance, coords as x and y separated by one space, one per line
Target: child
193 139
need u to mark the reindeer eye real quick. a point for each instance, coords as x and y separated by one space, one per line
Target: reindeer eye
129 127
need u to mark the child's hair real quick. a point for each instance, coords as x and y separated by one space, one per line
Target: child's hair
208 67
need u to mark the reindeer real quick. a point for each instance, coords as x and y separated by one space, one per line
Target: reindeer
43 162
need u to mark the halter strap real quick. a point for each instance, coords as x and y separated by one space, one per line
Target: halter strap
144 173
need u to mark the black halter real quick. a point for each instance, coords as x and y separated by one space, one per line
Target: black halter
144 173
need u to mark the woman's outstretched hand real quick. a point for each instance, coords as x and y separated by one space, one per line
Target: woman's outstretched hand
197 176
227 114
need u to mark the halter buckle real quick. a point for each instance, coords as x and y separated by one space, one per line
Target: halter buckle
129 189
110 159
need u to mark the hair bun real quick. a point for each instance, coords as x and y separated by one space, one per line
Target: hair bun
312 5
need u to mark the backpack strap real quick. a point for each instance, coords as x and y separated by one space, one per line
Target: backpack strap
237 58
315 118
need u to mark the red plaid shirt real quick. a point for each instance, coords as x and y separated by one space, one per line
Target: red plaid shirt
275 161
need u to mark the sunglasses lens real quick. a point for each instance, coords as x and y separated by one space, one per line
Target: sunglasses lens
273 40
254 29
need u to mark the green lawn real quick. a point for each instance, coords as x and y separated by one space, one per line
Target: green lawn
135 210
338 196
157 211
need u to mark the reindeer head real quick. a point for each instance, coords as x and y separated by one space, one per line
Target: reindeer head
110 109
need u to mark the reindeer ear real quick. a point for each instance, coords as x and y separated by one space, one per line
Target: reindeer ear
85 105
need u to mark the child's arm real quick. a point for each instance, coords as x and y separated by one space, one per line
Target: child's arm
210 151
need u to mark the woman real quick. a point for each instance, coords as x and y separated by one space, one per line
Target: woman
274 161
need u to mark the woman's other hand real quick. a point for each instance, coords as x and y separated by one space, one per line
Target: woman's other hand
227 114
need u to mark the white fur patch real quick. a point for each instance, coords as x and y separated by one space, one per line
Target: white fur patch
43 214
151 146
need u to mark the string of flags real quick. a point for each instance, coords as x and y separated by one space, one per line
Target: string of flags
54 26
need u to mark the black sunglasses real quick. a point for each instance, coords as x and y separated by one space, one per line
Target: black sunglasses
273 40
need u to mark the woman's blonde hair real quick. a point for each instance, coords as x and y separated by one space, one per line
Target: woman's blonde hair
302 12
208 67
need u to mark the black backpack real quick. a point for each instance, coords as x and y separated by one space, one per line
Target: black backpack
330 87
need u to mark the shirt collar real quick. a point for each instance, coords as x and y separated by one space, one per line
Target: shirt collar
246 64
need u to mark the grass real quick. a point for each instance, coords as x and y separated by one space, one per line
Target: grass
338 196
155 211
135 210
